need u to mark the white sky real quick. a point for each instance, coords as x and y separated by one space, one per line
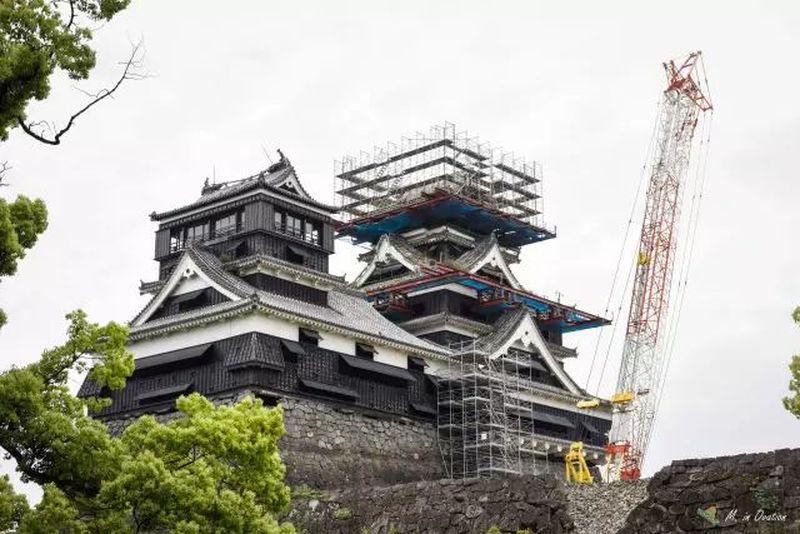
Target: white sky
573 85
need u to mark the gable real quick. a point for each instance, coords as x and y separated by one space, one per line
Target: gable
187 301
187 284
526 335
289 182
385 255
491 256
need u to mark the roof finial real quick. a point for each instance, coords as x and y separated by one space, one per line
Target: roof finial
282 163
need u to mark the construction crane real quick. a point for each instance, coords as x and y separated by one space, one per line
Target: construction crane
684 103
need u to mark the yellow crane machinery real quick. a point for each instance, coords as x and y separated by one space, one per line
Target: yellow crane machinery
576 469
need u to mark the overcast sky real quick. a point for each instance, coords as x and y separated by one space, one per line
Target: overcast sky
572 85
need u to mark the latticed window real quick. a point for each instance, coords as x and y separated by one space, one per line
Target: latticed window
225 225
294 226
312 232
198 232
176 241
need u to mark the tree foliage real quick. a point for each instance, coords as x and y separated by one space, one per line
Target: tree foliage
36 38
211 469
792 403
12 505
21 222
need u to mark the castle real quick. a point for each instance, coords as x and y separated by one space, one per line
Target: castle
433 362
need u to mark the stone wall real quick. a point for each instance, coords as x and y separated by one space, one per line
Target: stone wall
535 503
743 493
337 447
602 508
328 446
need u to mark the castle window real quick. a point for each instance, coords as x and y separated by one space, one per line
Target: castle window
226 225
309 336
176 242
198 232
299 227
292 349
312 232
365 351
416 364
294 226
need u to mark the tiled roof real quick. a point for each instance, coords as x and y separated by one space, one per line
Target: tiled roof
346 309
399 249
474 255
255 350
504 328
284 265
268 179
408 251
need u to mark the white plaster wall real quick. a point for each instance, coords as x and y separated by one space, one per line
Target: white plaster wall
207 334
391 356
337 343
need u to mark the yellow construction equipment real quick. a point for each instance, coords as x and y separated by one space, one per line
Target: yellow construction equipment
575 465
588 403
622 397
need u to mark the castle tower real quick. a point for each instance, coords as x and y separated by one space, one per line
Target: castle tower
444 217
244 304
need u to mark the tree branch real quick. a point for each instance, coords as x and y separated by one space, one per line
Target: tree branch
4 168
130 72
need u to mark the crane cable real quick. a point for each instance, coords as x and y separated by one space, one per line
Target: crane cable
694 218
642 174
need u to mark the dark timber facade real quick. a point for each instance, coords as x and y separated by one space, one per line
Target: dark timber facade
244 305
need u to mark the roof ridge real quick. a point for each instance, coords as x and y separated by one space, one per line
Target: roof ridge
265 178
470 257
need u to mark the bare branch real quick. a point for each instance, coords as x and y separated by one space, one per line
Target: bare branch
130 72
4 168
71 14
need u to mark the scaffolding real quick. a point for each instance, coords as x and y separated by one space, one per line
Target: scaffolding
485 413
443 159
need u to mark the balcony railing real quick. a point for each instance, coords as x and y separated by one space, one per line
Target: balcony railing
308 237
176 245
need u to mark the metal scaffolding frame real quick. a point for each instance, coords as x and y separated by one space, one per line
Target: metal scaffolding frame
485 414
442 159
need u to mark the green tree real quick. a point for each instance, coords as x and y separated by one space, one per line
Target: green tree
12 505
38 37
212 469
792 403
21 222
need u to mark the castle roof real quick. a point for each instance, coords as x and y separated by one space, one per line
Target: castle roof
348 312
518 325
278 179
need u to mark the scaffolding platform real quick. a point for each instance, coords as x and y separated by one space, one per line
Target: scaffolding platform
442 175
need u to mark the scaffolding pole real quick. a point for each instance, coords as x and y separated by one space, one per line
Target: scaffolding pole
485 414
441 159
